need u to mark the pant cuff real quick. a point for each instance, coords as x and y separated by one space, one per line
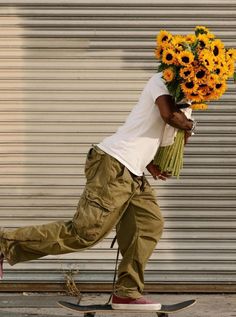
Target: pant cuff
126 292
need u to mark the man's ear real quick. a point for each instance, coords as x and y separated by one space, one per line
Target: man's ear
166 106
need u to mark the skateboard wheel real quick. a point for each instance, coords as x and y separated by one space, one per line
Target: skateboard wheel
89 314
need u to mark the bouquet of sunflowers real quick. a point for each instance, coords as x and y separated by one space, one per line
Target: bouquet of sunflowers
195 68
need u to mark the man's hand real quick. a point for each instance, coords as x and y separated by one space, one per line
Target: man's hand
156 173
187 135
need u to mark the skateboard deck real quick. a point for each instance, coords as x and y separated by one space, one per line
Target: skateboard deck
90 310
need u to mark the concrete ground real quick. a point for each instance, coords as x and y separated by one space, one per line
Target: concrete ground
45 305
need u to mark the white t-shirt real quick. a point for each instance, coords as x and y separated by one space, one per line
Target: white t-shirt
137 140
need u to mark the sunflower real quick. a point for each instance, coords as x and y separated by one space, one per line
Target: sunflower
187 72
189 86
163 37
203 30
169 74
203 41
212 79
178 40
210 95
210 36
185 58
221 70
167 45
217 47
194 96
230 65
199 29
201 74
190 38
207 59
204 89
158 52
231 54
199 106
220 88
168 56
178 43
216 92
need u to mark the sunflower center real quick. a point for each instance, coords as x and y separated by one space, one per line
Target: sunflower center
200 74
202 44
218 71
216 51
165 38
209 92
187 73
185 59
169 56
189 84
218 86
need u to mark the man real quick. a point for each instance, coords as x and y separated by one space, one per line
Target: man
116 194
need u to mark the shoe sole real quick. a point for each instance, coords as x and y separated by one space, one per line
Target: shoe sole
137 307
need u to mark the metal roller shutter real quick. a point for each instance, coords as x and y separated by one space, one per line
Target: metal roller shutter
70 72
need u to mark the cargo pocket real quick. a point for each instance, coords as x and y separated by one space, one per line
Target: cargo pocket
99 200
92 213
98 172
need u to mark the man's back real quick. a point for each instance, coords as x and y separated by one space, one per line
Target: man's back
135 143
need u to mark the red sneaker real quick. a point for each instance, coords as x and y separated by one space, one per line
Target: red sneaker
1 265
128 303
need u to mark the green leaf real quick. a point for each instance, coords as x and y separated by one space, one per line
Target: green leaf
172 86
200 31
178 90
194 45
186 46
161 67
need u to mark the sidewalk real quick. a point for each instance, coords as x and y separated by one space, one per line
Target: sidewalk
45 305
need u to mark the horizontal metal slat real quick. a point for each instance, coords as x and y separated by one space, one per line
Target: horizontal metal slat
57 55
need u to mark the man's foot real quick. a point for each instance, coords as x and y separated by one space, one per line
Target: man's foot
128 303
1 266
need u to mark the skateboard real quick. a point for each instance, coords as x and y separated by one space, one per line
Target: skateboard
90 310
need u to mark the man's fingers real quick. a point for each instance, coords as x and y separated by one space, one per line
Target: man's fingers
162 177
157 174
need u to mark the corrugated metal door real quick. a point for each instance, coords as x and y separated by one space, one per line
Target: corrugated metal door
70 72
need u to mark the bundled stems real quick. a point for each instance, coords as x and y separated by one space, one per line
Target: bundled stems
170 158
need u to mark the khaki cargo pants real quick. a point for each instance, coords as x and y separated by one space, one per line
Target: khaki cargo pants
112 197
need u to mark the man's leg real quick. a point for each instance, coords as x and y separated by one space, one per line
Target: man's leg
138 232
32 242
105 198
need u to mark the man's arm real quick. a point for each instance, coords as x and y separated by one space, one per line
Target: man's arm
177 119
171 114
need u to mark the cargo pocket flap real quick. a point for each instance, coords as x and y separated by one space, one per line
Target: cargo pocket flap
97 199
